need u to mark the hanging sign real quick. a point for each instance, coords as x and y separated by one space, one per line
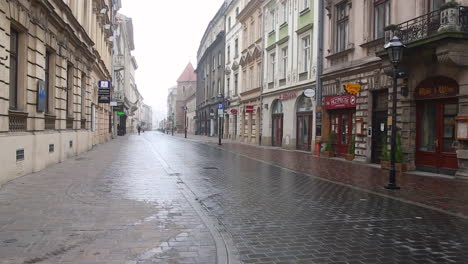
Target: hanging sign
340 101
352 88
309 93
234 111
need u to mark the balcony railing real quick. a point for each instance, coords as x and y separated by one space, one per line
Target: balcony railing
429 25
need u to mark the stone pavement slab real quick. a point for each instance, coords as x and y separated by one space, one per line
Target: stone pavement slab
114 204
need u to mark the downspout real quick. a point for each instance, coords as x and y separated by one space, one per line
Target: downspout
320 53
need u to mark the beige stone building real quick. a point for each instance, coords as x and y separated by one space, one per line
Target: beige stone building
431 92
251 62
52 55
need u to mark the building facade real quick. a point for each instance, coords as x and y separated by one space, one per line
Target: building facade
171 108
126 94
232 69
186 88
53 54
290 68
430 87
210 75
251 62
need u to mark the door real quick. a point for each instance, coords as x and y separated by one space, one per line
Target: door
304 131
277 137
341 124
436 135
379 123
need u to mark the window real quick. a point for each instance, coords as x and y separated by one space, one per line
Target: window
69 90
259 74
219 87
251 78
237 11
284 62
83 95
435 4
342 23
236 83
381 17
259 27
228 87
252 31
305 55
284 12
236 48
229 54
244 80
272 68
219 59
14 37
304 4
229 23
272 20
214 63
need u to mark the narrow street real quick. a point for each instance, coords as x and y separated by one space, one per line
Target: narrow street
154 198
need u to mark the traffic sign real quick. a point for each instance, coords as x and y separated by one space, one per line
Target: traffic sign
220 106
309 93
104 84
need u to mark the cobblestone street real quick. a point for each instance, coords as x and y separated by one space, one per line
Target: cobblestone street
155 198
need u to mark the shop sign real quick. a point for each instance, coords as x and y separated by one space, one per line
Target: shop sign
341 101
234 111
309 93
287 96
436 87
249 108
352 88
120 113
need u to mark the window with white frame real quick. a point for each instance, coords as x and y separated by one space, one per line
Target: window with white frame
229 54
219 58
381 17
271 68
236 83
236 48
284 12
252 31
228 87
251 77
304 54
304 4
272 20
284 62
244 80
342 26
229 23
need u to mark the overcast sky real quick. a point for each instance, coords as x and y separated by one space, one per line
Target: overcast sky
167 35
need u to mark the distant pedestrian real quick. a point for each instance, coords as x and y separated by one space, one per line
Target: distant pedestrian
139 129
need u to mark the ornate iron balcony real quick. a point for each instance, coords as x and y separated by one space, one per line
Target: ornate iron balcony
430 24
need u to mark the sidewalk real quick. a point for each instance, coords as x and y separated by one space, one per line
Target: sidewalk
449 195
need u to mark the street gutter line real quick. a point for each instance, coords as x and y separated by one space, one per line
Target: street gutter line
224 254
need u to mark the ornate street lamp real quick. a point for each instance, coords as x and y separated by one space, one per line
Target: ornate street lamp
395 53
220 117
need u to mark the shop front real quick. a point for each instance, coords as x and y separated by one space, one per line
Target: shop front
341 111
437 109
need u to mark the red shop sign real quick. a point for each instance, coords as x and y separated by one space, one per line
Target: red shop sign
234 111
341 101
287 96
249 108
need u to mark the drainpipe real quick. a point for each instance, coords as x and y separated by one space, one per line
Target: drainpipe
260 124
320 53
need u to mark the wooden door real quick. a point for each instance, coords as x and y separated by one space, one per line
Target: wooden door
435 136
379 123
304 131
277 130
341 124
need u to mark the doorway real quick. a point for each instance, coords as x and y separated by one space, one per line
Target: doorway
341 125
304 123
277 124
379 123
435 136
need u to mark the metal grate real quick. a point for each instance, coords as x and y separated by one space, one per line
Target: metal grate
51 148
19 154
17 121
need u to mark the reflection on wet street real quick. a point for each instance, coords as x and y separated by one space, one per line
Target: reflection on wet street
160 199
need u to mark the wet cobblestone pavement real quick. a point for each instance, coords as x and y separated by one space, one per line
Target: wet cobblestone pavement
160 199
277 216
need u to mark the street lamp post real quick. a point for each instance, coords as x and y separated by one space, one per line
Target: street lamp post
185 120
395 52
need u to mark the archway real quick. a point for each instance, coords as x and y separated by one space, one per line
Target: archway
304 117
277 123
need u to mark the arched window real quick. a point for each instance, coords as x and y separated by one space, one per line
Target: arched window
304 104
277 107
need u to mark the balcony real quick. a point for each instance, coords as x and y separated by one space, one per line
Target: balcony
431 26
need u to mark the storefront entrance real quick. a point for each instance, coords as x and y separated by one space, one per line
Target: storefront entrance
277 123
341 125
379 123
304 123
435 135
